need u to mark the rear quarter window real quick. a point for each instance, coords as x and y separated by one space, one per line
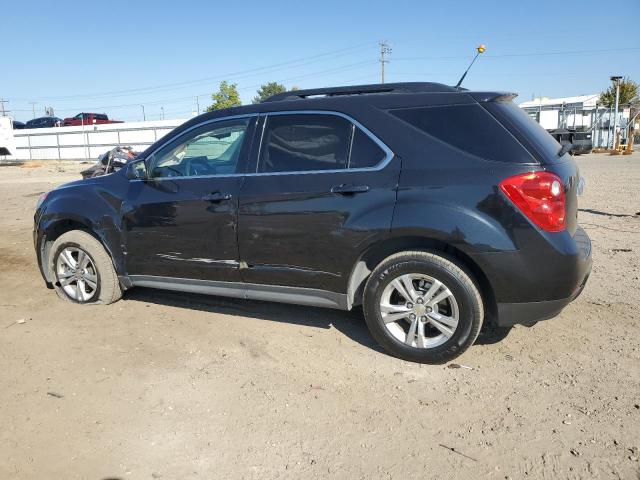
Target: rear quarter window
525 129
469 128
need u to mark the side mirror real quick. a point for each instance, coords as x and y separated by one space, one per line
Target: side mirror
137 170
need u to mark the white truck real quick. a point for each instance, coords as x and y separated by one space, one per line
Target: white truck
7 143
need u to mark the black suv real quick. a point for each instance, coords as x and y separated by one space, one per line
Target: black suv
44 122
435 208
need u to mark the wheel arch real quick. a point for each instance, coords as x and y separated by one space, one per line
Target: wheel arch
381 250
54 230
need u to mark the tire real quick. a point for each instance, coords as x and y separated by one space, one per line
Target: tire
430 340
100 284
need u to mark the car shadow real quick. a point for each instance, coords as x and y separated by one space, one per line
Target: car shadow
349 323
490 334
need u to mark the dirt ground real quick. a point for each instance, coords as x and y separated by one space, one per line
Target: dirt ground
177 386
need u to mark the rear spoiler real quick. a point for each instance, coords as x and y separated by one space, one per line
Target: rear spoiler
493 96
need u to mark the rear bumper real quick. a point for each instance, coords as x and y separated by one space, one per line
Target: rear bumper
528 313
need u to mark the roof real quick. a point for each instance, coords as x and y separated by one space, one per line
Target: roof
404 87
584 100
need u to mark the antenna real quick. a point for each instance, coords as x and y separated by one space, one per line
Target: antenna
480 49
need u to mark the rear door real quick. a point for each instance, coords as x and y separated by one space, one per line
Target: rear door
181 222
323 189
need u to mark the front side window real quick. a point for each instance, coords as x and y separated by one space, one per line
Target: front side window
212 149
305 142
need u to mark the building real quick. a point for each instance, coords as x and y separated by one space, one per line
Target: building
582 113
567 112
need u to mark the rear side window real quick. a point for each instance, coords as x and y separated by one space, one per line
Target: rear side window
305 142
101 116
525 129
469 128
364 151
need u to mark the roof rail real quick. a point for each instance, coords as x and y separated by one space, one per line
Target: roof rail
405 87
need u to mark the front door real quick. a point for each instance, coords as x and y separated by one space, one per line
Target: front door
182 221
323 192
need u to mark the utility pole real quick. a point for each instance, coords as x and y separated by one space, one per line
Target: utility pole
384 50
540 109
33 108
162 110
2 102
616 82
198 105
144 117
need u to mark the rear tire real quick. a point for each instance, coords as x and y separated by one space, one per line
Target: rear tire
422 307
82 270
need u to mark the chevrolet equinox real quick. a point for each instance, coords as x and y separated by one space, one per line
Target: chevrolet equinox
434 208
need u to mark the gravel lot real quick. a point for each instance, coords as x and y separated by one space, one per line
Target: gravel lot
177 386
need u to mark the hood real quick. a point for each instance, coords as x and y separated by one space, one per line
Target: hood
87 182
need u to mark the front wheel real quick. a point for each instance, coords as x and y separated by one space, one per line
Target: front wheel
82 270
422 307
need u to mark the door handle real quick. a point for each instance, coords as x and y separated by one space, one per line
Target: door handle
216 197
349 188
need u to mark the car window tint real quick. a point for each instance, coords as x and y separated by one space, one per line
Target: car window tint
466 127
526 129
364 151
212 149
304 142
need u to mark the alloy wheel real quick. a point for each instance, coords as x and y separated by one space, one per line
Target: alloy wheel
419 310
77 274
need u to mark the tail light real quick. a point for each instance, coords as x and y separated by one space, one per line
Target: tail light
540 196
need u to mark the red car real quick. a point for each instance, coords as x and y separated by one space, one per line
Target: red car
88 119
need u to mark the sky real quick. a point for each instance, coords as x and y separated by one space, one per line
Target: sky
115 56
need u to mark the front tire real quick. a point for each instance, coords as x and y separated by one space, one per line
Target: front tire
422 307
82 270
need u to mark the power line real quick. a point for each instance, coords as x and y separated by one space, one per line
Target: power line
243 73
333 70
530 54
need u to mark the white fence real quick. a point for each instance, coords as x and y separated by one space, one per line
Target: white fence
87 142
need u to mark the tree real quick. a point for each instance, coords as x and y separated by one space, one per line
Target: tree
267 90
628 93
226 97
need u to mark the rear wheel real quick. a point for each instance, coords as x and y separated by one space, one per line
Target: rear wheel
82 270
422 307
